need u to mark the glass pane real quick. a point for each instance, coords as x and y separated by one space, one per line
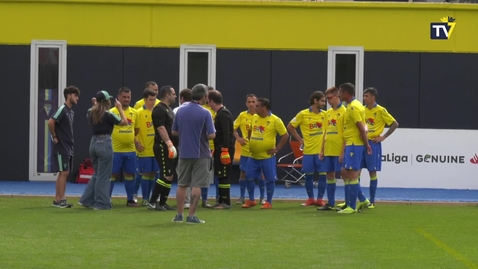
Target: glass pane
344 69
48 68
198 68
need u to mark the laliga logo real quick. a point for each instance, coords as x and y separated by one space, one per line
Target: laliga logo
442 30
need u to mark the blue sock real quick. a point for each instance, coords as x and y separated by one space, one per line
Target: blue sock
322 185
353 193
309 185
346 189
242 185
262 188
361 196
331 186
112 186
137 182
129 188
204 193
270 185
251 185
145 188
373 188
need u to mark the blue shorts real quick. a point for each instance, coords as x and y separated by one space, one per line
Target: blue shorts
353 157
125 160
331 164
373 162
147 165
243 163
255 169
311 163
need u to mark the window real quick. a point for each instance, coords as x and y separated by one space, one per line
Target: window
197 65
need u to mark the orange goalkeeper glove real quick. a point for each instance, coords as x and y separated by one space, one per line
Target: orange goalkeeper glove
225 158
172 152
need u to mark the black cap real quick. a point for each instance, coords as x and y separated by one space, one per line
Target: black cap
102 96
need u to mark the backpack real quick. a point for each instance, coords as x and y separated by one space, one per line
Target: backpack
85 172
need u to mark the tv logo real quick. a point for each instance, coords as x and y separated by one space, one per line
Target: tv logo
442 30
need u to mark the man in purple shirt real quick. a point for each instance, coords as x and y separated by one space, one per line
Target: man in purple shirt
194 126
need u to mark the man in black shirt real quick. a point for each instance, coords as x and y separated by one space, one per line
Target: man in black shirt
61 130
164 148
223 148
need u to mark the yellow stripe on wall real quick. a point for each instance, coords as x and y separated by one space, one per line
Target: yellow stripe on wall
237 24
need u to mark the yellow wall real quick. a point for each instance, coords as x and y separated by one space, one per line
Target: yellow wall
235 24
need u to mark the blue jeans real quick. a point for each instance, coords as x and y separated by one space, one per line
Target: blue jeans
97 192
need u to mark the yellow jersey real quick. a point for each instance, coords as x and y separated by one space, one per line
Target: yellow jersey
334 129
243 122
377 118
140 104
146 133
355 113
213 114
123 136
311 126
263 136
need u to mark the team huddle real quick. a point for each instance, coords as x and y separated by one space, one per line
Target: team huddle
156 143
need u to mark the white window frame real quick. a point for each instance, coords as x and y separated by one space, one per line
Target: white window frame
34 48
359 65
183 63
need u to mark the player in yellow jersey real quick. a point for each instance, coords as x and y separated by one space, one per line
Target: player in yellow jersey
123 146
150 85
376 117
147 165
356 146
311 122
262 145
333 145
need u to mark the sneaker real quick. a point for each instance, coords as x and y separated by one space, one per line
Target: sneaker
342 205
168 207
320 202
178 218
160 208
205 204
87 206
222 206
132 203
249 203
347 210
187 205
194 220
135 198
309 202
267 205
151 206
98 208
240 201
61 204
263 201
63 200
371 205
362 205
327 207
144 203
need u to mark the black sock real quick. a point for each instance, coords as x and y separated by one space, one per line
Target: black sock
155 194
224 191
165 187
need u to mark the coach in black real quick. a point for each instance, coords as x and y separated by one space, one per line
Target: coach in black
223 148
164 148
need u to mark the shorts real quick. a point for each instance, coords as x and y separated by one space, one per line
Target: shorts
194 172
331 164
353 157
311 163
221 170
125 160
63 162
255 169
243 163
147 165
166 165
373 162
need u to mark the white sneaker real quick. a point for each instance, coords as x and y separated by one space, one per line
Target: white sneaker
187 205
263 201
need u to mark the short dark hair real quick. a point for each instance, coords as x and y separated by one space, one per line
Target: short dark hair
186 95
317 95
124 89
199 91
210 88
251 95
348 88
332 90
148 92
70 90
149 83
165 90
372 91
264 102
215 96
